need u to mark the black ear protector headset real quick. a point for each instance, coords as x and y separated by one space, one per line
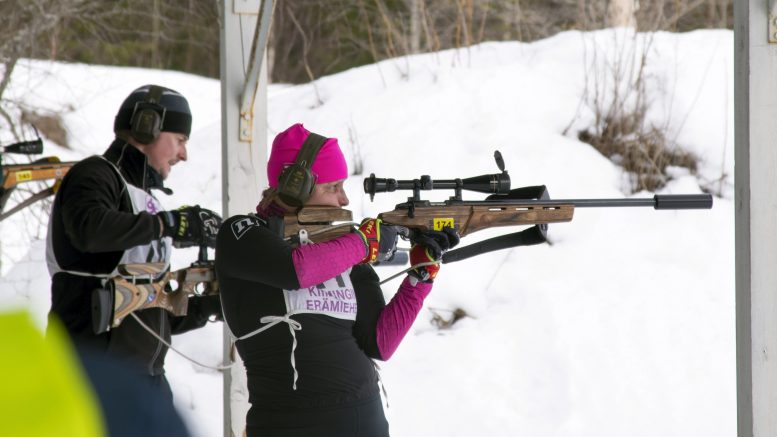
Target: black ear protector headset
148 116
296 182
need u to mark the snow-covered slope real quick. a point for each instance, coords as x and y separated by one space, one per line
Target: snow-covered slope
623 326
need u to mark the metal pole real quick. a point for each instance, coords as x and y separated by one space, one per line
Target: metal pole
243 162
756 218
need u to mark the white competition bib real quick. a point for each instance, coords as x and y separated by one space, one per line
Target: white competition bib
335 298
157 251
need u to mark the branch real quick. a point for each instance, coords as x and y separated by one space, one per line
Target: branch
305 48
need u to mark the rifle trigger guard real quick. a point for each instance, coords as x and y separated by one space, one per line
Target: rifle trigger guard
303 237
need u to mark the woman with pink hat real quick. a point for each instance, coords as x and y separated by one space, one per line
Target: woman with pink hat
309 321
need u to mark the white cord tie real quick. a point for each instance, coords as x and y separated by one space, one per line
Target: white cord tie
293 326
170 346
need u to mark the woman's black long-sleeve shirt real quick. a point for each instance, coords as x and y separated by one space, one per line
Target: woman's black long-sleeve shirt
333 356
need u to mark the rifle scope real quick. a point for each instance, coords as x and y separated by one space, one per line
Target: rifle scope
497 183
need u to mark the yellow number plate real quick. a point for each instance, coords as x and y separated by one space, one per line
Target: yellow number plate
24 176
440 223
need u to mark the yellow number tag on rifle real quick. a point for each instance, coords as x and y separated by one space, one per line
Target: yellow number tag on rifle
440 223
22 176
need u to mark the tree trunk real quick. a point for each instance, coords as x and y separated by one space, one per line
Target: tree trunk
723 23
415 26
191 37
621 13
155 36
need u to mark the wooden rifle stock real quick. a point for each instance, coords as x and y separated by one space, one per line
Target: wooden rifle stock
40 170
318 222
44 169
469 217
146 285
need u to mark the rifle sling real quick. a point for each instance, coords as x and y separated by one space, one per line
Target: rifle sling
528 237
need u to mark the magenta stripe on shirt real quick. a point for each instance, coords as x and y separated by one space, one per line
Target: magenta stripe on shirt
316 263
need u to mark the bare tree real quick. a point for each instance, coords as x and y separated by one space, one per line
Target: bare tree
23 24
616 93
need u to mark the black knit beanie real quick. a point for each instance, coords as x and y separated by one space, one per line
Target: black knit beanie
178 117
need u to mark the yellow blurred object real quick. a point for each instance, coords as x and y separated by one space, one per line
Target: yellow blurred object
45 391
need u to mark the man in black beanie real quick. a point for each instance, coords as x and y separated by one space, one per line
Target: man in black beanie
106 214
165 117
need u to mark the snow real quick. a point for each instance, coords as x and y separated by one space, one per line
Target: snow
623 326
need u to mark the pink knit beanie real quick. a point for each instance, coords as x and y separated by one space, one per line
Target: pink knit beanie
329 165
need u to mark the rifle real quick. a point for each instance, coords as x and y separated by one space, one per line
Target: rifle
42 169
503 207
149 285
136 287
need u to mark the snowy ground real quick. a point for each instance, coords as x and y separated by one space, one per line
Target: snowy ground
623 326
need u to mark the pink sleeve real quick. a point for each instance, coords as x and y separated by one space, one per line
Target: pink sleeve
315 263
399 314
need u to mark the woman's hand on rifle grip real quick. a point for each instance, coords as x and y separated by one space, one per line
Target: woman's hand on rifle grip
429 246
380 239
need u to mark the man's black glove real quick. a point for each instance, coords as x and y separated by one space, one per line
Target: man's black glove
191 226
429 246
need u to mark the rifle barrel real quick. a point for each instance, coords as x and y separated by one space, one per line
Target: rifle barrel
659 201
31 147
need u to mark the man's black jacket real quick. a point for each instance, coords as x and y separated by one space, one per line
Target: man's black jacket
92 223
